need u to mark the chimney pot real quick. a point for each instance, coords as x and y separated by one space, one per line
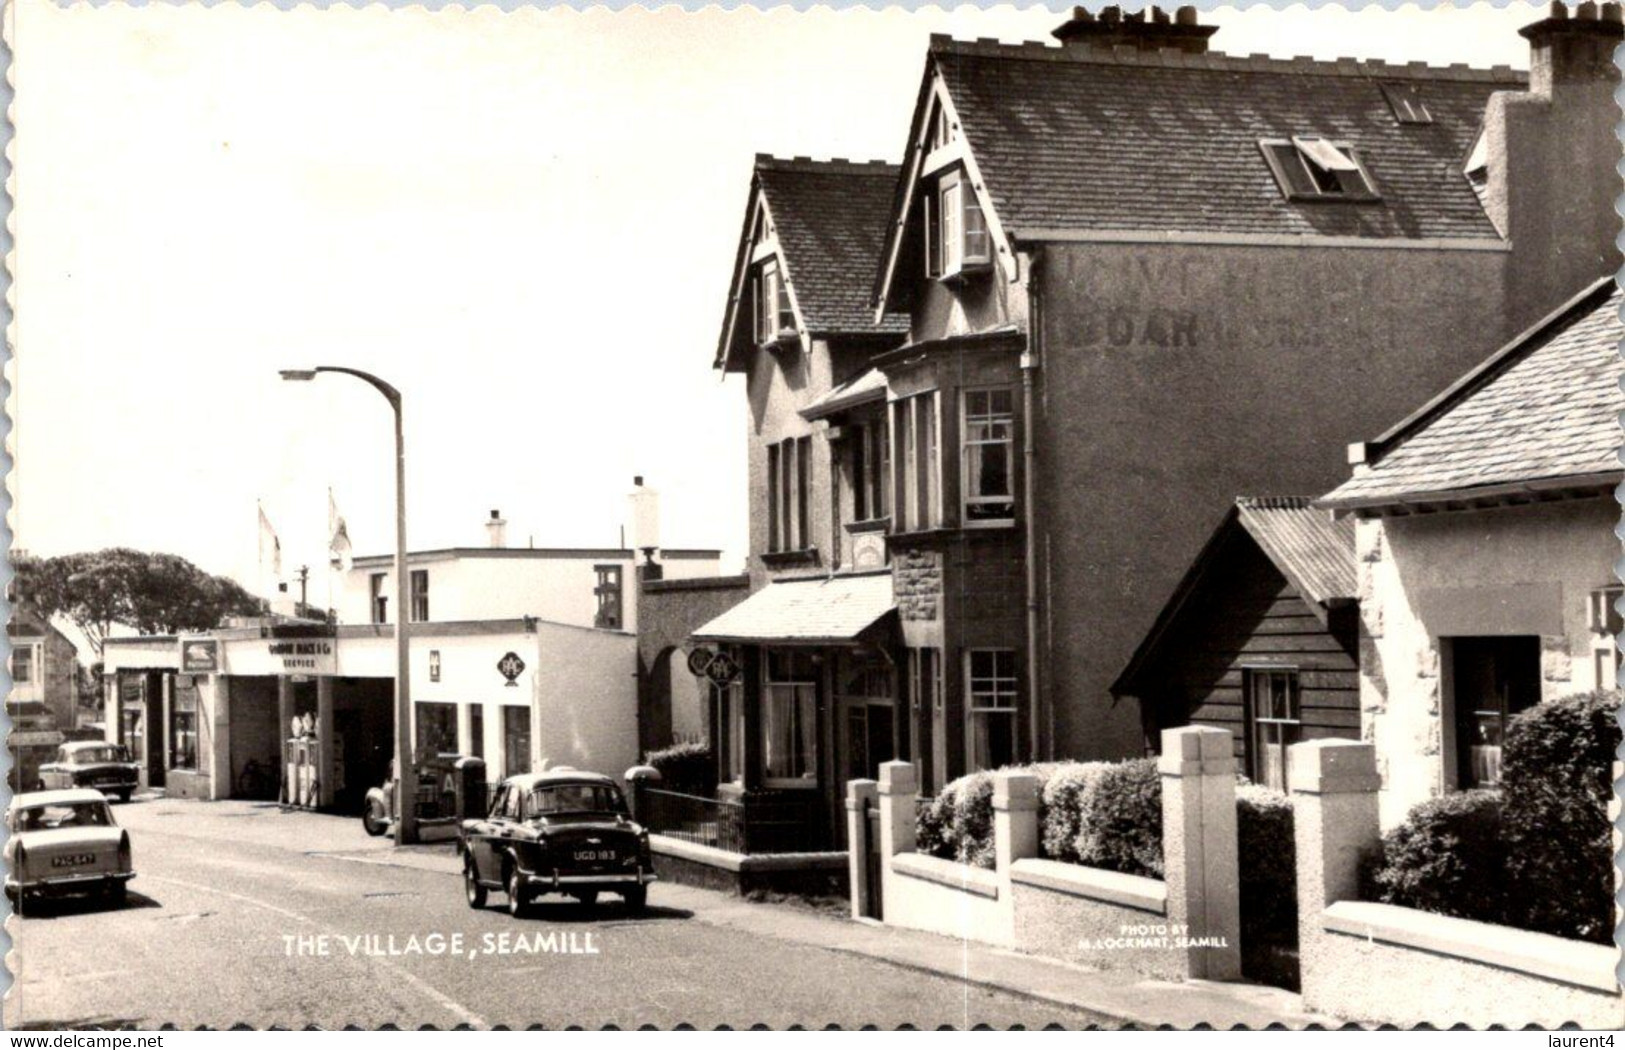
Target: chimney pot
1111 15
1151 29
1558 9
1611 13
1586 12
1185 16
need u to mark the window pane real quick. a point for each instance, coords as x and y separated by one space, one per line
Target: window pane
992 739
787 729
516 740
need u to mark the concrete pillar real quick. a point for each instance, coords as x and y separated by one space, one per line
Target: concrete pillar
897 826
1015 819
284 720
214 699
1334 815
1198 768
861 796
324 741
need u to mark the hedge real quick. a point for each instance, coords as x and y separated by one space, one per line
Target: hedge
1268 863
688 768
1058 808
1120 819
1535 853
1556 777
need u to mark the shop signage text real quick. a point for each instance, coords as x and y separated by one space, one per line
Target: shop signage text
308 654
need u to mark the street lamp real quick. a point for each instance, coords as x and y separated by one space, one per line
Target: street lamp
406 824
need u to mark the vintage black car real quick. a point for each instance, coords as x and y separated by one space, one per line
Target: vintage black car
562 831
91 764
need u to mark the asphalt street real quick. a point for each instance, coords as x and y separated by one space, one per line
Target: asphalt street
244 914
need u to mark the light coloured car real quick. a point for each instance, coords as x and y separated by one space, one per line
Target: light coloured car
65 842
91 764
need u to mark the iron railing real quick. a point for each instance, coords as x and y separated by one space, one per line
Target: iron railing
756 823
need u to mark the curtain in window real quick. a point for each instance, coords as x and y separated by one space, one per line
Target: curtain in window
788 723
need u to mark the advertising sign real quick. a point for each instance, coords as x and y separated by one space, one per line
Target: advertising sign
200 655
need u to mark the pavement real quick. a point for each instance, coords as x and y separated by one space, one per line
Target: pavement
243 913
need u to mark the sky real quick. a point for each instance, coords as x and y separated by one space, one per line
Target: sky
524 220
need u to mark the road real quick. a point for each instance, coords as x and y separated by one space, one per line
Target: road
244 914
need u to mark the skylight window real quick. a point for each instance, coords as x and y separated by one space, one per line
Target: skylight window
1406 102
1310 167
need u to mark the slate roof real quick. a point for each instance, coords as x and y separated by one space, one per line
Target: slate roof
1084 138
1310 548
1543 409
868 386
831 218
833 609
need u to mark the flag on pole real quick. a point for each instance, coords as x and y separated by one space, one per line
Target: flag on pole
270 547
338 535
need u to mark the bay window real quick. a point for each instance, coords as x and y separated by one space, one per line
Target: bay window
916 426
987 474
990 692
789 719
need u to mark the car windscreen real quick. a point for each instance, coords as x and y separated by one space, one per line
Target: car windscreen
551 799
70 815
110 753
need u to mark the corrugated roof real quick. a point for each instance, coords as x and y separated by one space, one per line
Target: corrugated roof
832 218
1543 408
1310 548
1088 138
835 609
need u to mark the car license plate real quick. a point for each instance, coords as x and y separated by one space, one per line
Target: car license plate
589 855
72 860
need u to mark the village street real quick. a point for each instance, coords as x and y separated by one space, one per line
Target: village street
226 918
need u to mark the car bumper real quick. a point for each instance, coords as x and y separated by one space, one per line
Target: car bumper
557 881
68 883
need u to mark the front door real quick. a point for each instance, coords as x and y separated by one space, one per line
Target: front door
869 721
1492 680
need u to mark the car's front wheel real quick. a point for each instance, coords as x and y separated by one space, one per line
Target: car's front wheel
471 884
518 895
372 818
587 897
637 898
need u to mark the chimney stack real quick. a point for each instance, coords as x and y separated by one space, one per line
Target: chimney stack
1566 52
497 527
1148 30
644 505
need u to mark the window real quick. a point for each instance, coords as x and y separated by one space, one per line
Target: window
915 425
871 473
608 593
789 718
956 234
941 131
988 481
788 466
1275 723
22 665
378 602
1308 167
437 728
990 689
183 723
925 710
1492 679
476 730
1602 612
1406 102
420 595
774 317
515 740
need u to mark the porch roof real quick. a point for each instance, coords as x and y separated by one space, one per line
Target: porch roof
833 611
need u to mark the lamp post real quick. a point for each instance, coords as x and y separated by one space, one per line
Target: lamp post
406 825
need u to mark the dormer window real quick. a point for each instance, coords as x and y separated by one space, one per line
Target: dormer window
1309 167
956 237
774 317
1406 102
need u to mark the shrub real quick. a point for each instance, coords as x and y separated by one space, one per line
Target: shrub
1556 776
1447 857
1058 809
688 768
1120 819
1268 864
964 815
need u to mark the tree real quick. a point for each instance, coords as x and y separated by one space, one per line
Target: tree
154 593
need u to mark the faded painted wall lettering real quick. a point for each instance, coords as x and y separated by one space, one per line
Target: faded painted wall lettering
1129 326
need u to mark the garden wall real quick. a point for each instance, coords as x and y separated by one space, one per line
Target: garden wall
1383 963
1184 926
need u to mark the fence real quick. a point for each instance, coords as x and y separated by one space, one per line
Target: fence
714 822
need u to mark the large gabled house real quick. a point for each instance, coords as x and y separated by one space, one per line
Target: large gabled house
1141 277
1485 530
816 640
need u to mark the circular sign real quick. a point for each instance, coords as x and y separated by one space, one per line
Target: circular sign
722 670
699 660
511 667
